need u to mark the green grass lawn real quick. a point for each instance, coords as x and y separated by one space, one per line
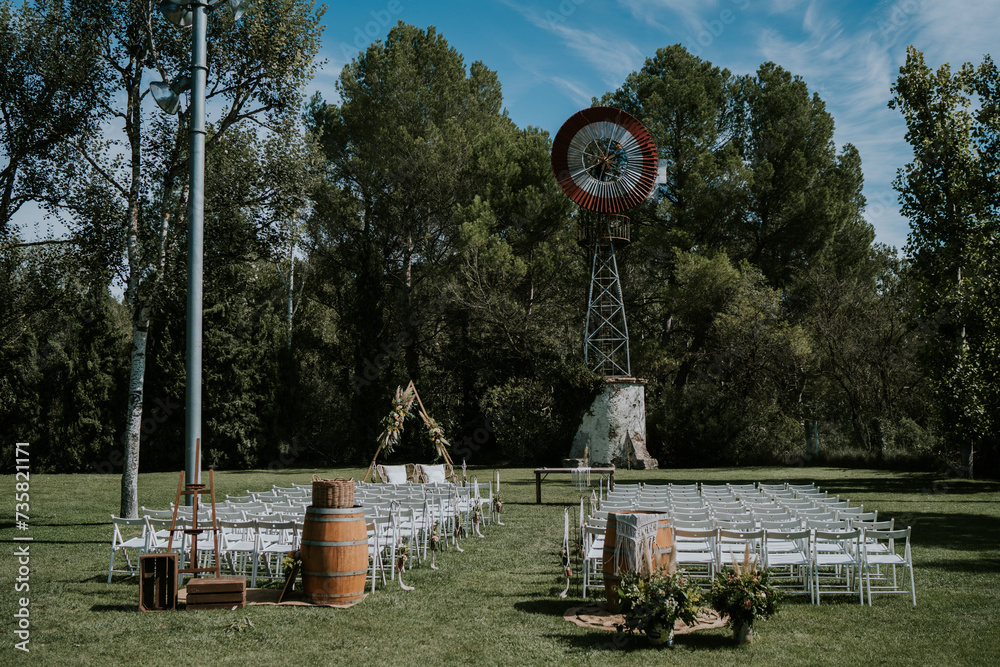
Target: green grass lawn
496 603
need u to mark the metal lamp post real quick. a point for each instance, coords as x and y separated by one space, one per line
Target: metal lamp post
186 13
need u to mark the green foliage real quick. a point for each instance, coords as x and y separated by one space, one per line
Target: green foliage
441 240
62 365
948 192
525 424
429 241
48 93
744 593
657 599
737 382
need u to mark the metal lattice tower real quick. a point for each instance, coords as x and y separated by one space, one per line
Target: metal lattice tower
606 343
605 161
605 349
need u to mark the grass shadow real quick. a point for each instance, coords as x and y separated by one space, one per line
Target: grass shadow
599 640
545 607
952 530
963 566
115 607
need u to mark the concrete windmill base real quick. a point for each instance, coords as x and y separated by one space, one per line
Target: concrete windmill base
613 430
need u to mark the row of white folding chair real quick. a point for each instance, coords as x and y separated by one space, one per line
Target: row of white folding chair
149 534
844 558
414 520
796 557
292 491
245 544
463 498
242 544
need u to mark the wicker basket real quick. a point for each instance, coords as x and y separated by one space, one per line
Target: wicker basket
337 493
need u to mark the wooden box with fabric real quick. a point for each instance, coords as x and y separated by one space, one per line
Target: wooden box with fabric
217 593
636 542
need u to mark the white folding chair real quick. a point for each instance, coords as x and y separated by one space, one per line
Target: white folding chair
694 551
884 562
379 530
772 487
128 534
837 563
239 546
731 545
787 554
593 557
275 539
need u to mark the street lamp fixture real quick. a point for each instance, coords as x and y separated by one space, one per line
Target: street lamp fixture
167 95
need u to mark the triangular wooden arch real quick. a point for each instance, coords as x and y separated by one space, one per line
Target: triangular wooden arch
407 396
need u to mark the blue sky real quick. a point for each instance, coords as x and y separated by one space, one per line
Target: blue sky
553 56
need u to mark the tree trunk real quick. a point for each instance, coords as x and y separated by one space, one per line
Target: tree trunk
291 294
968 459
133 420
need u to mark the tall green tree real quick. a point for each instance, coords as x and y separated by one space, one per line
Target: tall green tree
48 91
867 339
948 192
418 150
799 192
127 194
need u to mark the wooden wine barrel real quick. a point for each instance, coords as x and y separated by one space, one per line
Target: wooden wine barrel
334 552
663 552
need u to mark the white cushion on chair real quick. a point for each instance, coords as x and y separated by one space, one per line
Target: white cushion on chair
434 473
395 474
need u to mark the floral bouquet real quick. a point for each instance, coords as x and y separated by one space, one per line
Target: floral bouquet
653 603
745 594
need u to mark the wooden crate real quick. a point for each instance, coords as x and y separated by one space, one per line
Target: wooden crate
217 593
157 582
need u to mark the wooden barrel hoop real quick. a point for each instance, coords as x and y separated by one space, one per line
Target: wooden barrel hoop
334 555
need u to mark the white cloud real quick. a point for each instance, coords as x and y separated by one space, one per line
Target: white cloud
579 95
653 12
850 61
613 58
946 33
577 90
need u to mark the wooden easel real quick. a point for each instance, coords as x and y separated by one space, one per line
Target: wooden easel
196 490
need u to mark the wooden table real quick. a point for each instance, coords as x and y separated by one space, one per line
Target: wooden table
539 472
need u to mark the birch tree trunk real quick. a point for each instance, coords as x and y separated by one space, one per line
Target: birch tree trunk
133 421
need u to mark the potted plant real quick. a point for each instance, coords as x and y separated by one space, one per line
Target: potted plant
744 594
653 603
